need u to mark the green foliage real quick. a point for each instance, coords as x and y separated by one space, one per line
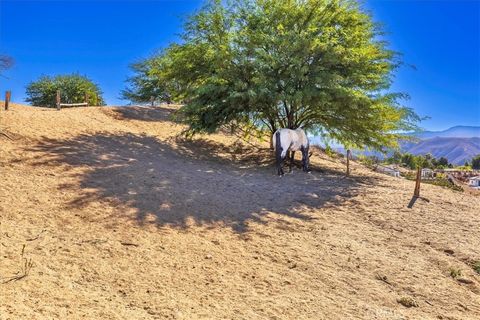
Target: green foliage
476 162
148 82
368 161
411 161
442 162
73 87
455 273
330 152
315 64
476 266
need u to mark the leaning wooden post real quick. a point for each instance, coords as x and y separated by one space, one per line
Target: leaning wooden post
8 95
348 162
58 100
416 193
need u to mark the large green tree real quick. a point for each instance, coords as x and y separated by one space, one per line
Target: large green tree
147 85
73 87
316 64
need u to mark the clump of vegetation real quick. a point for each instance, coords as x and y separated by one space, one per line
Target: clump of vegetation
330 152
476 266
411 161
73 89
444 182
368 161
146 85
407 302
476 162
454 273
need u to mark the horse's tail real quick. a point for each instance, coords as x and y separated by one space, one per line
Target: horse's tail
278 146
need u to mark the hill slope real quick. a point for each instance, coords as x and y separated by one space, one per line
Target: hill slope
456 150
122 219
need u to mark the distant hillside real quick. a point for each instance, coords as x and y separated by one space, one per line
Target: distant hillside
458 144
456 150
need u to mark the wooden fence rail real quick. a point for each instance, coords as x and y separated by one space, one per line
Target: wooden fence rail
60 104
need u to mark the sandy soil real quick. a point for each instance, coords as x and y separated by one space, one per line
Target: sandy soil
105 213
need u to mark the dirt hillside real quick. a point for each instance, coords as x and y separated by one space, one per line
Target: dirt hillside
106 213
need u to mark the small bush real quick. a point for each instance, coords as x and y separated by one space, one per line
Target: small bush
330 152
73 88
455 273
368 161
476 266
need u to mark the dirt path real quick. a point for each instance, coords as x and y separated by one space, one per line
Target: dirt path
121 219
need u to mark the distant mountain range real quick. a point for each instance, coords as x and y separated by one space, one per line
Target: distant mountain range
458 144
453 132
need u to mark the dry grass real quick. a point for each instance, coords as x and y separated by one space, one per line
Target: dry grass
125 220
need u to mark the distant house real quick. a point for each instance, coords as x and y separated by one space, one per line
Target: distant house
390 170
427 173
474 182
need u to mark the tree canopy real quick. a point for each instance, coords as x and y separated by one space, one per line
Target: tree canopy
73 87
146 84
476 162
316 64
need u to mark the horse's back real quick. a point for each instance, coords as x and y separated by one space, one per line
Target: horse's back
299 139
284 138
291 139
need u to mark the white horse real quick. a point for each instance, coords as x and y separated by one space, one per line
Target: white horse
285 140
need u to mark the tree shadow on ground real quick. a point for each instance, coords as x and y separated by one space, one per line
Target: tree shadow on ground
166 113
183 184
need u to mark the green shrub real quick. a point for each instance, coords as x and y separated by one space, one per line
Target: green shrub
368 161
73 88
476 266
455 273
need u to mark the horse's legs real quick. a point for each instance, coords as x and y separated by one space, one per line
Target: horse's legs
292 157
279 161
280 167
305 159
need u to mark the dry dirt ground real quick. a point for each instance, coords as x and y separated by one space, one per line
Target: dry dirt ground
105 213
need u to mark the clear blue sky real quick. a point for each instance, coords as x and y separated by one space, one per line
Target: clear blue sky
100 38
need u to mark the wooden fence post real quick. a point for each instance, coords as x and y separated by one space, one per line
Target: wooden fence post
8 95
348 162
86 98
416 193
58 100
